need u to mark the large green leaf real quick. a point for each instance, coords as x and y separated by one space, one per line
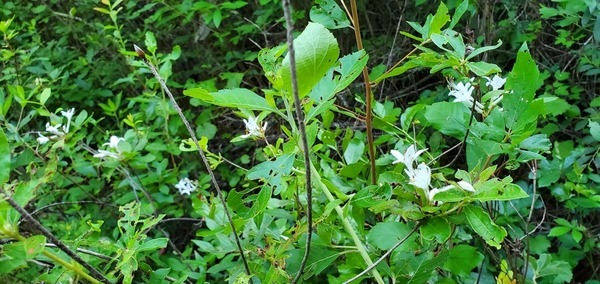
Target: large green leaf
524 79
449 118
462 259
385 235
483 225
237 98
273 172
261 201
316 52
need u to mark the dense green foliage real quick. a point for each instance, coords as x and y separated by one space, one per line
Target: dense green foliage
486 125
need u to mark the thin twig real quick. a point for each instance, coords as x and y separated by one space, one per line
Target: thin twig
302 128
93 271
384 256
162 83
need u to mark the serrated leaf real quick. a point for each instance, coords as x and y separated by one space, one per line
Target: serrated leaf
483 225
524 67
316 52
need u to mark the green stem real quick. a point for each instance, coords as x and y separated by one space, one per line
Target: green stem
347 226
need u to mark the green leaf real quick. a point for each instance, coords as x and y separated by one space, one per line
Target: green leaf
462 259
552 270
483 68
45 95
524 79
558 231
4 158
483 49
436 228
153 244
594 129
237 98
261 202
449 118
273 172
354 151
425 268
439 20
538 142
458 12
385 235
349 68
316 52
150 42
329 14
495 189
483 225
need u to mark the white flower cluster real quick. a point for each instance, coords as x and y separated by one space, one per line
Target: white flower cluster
463 92
57 131
186 186
421 175
253 129
113 149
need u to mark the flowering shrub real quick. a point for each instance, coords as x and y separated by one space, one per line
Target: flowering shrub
151 187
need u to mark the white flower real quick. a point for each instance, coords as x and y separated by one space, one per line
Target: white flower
408 158
54 129
421 177
253 129
42 139
463 94
496 82
186 186
114 142
69 115
106 154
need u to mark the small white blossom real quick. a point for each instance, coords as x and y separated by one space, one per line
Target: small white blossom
54 129
42 139
113 142
421 177
496 82
463 94
253 129
69 115
106 154
186 186
409 157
